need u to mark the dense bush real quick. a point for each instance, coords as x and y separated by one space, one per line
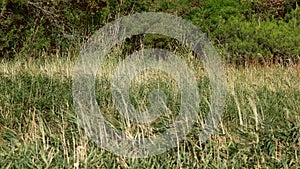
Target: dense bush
244 30
257 31
275 40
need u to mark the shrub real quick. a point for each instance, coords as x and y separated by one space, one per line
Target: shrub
243 30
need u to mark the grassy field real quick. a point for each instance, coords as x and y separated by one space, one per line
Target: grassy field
260 127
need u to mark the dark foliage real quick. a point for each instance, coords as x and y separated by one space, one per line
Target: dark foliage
243 30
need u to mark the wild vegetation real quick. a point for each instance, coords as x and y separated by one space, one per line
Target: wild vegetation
40 41
245 31
260 127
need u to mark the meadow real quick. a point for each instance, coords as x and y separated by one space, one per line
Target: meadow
260 127
259 44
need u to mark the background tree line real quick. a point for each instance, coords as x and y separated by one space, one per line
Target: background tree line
259 31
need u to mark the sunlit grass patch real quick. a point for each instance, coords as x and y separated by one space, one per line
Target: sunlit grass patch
38 125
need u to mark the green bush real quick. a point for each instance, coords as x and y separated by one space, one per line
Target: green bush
242 30
246 36
272 39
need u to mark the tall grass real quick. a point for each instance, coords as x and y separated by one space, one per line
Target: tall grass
260 127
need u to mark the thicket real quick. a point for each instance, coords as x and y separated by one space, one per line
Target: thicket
244 31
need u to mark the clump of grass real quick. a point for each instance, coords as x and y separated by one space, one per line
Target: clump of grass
38 125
